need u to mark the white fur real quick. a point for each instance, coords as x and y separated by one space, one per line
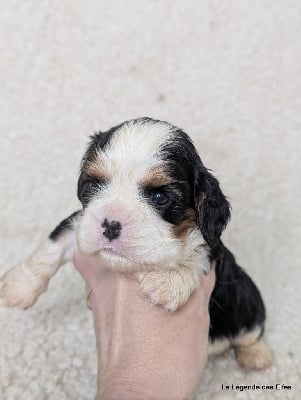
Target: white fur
133 150
22 285
146 240
146 243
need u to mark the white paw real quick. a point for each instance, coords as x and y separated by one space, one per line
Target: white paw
20 289
170 289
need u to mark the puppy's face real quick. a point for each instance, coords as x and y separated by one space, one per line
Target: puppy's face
143 189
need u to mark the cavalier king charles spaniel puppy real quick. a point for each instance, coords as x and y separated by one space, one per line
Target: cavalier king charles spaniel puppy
150 207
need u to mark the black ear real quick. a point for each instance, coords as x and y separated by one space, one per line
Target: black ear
213 209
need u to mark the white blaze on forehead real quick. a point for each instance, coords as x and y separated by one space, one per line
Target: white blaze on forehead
133 149
146 240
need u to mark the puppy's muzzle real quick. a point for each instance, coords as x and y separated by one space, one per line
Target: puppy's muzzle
112 229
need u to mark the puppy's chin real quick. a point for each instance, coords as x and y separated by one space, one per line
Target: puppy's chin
113 259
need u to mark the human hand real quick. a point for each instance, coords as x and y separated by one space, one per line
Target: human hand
143 351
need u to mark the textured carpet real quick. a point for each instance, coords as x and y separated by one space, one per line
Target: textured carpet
229 74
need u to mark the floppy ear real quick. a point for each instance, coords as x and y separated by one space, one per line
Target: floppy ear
213 209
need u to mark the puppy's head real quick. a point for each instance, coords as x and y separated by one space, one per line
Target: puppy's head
147 199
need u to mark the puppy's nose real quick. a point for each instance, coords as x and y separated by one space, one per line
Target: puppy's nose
112 229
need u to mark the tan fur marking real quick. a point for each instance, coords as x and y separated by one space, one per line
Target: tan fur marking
256 356
170 289
156 177
181 230
251 351
95 168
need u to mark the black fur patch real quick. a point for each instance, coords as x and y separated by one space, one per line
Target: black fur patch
181 157
212 206
98 141
65 225
88 187
235 303
206 197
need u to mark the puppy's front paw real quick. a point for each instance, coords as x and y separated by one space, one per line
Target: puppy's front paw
20 288
170 289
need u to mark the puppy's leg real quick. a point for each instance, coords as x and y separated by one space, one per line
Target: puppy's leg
235 306
22 284
251 351
171 288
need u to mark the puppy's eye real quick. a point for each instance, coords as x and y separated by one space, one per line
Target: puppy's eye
91 187
159 198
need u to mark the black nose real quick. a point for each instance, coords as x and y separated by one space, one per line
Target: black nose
112 229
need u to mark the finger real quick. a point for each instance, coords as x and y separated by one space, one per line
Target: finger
89 294
90 268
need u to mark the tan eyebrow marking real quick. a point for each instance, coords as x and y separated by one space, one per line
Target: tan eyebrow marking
95 168
156 177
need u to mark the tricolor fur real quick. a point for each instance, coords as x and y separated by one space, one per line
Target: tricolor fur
150 207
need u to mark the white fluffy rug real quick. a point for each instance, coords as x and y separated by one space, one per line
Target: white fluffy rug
229 74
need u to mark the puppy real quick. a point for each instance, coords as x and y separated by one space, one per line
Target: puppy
150 207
